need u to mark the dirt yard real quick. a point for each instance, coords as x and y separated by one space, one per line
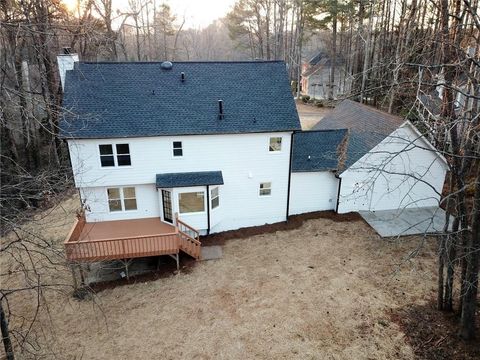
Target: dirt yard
326 290
310 115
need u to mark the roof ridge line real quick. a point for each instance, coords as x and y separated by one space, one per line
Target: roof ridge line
320 130
184 62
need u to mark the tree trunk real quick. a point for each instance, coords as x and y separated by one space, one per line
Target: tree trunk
451 253
7 342
469 303
333 59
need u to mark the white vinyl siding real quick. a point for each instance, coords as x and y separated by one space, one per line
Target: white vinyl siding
243 159
121 199
97 204
395 174
313 191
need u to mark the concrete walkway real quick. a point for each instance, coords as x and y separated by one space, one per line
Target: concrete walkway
211 252
402 222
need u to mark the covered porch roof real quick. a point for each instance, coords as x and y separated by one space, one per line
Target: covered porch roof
186 179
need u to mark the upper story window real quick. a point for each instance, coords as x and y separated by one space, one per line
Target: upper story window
115 155
275 144
265 189
177 149
122 199
214 198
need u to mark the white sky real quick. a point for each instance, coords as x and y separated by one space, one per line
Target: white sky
198 13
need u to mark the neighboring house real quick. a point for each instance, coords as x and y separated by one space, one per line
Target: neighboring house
316 81
163 152
429 107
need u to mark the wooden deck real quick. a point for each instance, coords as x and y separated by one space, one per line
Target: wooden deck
125 239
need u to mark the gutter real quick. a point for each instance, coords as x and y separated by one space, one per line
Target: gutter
289 175
208 209
338 193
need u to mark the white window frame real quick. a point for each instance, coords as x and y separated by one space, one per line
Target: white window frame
115 155
122 199
281 144
197 212
214 197
174 148
260 189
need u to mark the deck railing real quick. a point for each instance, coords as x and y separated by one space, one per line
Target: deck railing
123 248
184 238
189 238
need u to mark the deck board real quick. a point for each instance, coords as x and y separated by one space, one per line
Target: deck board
125 239
125 228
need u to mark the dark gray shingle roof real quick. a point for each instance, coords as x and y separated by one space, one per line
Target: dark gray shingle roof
317 150
105 100
199 178
367 127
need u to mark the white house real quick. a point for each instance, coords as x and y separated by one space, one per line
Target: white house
209 141
164 151
385 163
316 77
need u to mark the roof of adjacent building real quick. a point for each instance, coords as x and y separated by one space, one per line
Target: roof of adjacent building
318 150
185 179
320 60
133 99
367 127
432 102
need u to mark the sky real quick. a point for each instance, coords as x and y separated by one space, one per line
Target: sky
198 13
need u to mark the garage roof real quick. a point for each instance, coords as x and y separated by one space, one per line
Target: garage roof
317 150
367 127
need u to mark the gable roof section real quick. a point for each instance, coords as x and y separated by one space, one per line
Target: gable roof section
108 100
367 127
317 150
199 178
319 61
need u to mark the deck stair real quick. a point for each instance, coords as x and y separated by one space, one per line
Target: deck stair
189 239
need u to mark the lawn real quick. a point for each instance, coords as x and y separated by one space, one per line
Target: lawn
325 290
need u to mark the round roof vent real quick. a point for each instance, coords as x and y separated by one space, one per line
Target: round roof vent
166 65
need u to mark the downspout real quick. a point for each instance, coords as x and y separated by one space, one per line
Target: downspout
338 193
208 209
289 175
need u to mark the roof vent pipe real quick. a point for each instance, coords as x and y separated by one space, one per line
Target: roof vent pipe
221 115
182 74
166 65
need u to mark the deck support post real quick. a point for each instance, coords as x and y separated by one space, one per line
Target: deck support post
177 259
82 275
126 269
74 276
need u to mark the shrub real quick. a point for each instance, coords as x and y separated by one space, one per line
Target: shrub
305 98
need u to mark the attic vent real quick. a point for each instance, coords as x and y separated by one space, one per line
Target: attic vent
221 115
67 50
182 75
166 65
